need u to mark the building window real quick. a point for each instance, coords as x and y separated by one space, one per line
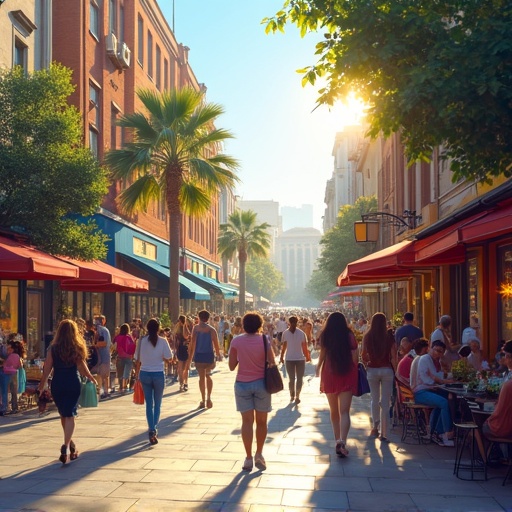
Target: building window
140 42
166 74
150 55
158 56
121 23
112 17
114 129
94 21
94 106
93 141
20 54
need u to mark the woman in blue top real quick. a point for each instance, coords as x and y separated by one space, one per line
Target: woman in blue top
203 348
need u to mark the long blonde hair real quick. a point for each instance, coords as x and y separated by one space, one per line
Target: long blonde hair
68 343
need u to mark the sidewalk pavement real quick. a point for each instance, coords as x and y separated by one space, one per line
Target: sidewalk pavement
197 464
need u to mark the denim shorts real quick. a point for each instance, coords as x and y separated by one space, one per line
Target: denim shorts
252 396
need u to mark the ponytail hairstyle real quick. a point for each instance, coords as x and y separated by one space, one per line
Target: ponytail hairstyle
153 326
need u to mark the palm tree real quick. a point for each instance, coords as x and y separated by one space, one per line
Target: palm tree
175 154
243 236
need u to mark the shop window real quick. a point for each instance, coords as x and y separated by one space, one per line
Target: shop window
8 307
34 323
505 291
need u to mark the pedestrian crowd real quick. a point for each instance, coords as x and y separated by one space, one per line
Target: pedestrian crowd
153 356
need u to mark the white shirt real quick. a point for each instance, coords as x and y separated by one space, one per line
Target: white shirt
281 325
413 378
152 358
294 342
426 373
469 334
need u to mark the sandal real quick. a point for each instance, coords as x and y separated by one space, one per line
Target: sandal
201 404
247 464
73 452
209 404
63 454
259 462
374 432
341 451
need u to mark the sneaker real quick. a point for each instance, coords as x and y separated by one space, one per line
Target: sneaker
442 442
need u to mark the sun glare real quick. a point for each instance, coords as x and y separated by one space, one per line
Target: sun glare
349 111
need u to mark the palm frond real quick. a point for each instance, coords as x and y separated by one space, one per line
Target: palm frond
194 199
139 194
242 234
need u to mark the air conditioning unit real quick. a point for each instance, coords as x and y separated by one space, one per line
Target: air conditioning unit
125 56
111 44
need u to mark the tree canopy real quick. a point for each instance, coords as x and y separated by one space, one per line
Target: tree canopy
47 177
264 279
176 154
340 248
440 73
244 237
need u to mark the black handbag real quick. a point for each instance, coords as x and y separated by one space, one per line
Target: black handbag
273 379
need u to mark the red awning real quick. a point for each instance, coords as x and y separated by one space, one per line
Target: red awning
97 276
20 261
493 224
390 264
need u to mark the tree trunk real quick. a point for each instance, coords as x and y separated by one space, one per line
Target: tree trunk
242 260
174 265
174 210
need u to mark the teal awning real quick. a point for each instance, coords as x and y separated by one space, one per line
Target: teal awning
212 284
188 288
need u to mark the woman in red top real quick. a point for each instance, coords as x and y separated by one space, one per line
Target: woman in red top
380 356
337 367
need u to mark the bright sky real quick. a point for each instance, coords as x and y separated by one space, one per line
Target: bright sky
283 145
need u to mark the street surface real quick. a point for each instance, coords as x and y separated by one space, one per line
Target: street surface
197 464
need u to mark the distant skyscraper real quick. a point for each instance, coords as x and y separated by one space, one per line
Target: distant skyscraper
297 217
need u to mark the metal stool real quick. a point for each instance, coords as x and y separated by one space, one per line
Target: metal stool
464 431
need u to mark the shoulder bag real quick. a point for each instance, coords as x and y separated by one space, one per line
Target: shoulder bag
138 392
362 380
273 379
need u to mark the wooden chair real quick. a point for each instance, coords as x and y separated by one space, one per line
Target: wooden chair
415 417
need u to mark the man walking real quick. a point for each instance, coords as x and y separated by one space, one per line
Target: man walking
408 330
103 344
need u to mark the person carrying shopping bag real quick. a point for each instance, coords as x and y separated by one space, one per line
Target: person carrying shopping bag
153 351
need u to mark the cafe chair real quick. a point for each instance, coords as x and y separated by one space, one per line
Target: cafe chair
494 442
467 437
415 417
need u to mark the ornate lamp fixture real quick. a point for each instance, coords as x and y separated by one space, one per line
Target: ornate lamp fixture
367 229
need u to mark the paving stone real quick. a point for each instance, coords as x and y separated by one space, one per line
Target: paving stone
197 463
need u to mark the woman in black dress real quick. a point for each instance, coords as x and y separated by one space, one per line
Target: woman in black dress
67 357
